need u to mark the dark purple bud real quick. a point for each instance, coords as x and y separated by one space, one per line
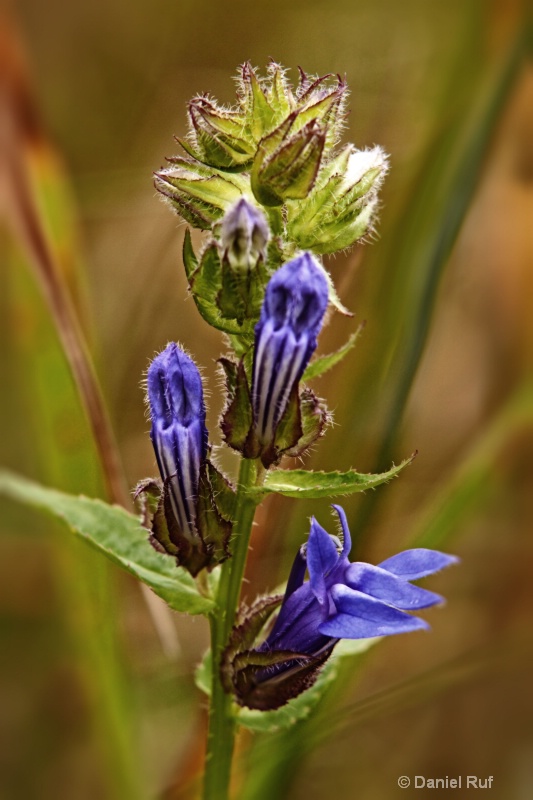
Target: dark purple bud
285 338
178 434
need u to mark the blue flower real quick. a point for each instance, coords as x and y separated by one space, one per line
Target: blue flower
178 434
344 600
285 338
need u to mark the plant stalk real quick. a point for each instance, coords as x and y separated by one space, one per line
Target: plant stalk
222 724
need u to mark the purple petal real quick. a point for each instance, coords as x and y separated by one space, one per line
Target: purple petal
297 625
360 617
174 388
385 586
297 574
322 557
278 364
295 302
413 564
297 296
178 433
347 544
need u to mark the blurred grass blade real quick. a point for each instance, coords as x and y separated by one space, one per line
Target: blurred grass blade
474 478
419 248
39 207
47 432
27 166
422 688
425 238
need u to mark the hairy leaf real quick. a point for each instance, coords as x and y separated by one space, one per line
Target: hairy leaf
323 364
118 535
303 483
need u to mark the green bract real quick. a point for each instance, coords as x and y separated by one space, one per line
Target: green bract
277 146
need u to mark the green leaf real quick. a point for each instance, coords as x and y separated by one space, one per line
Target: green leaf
190 261
333 297
277 97
118 535
324 363
314 418
205 284
289 429
203 674
231 298
223 491
237 417
301 706
262 113
304 483
213 528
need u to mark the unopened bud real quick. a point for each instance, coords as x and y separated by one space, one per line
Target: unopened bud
285 339
217 136
340 209
244 235
178 434
285 166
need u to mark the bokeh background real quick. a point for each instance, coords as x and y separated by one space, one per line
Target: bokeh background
97 698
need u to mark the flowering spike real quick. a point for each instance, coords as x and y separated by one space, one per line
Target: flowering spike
285 338
339 601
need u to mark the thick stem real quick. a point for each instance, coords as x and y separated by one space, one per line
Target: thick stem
221 736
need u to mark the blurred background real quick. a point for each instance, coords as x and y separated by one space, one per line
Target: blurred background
96 691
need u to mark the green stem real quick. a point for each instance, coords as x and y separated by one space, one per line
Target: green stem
221 736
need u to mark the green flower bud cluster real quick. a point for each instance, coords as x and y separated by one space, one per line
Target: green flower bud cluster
267 178
277 146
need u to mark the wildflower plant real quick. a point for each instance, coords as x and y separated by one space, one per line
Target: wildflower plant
269 184
272 189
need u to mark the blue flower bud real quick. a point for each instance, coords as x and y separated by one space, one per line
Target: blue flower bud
178 434
244 235
285 338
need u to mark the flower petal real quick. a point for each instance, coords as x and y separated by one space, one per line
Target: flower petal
297 574
297 625
347 544
417 563
385 586
322 557
362 617
178 433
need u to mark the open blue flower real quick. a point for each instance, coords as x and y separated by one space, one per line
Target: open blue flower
344 600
